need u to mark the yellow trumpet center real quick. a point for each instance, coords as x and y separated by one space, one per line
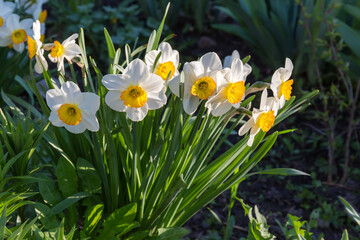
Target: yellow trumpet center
164 69
1 21
18 36
266 120
42 16
134 96
234 92
57 50
70 114
203 88
285 89
31 47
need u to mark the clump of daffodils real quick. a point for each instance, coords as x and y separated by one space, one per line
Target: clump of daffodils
145 85
15 29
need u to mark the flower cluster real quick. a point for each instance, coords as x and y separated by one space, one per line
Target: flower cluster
14 31
142 86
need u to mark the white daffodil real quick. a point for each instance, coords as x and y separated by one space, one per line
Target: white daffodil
281 85
73 109
229 59
200 81
262 118
6 8
67 49
35 48
15 32
135 91
230 88
167 62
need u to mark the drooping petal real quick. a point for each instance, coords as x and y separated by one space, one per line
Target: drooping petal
174 85
211 62
253 133
71 50
137 70
116 81
55 98
90 102
40 63
79 128
6 41
72 92
153 83
90 122
190 103
245 128
137 114
19 47
112 99
264 95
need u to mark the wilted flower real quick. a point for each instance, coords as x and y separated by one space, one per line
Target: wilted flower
67 49
167 62
15 32
135 91
262 118
230 88
72 109
281 85
34 48
6 8
200 81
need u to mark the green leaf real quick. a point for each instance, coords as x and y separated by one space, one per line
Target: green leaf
350 210
110 46
282 171
92 217
67 178
49 192
89 178
2 223
69 201
46 216
159 30
345 235
173 233
138 235
351 37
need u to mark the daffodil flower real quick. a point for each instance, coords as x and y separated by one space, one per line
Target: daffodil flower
67 49
6 8
200 81
167 63
15 32
230 88
135 91
73 109
35 48
262 118
281 85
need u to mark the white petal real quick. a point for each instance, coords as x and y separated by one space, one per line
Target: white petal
40 63
55 120
150 58
137 70
156 100
72 92
90 102
174 85
264 95
55 98
79 128
221 109
245 128
69 40
12 22
116 81
193 71
153 83
282 101
253 133
211 62
218 104
19 47
71 50
90 122
4 42
221 78
113 100
190 103
227 62
236 71
26 23
137 114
